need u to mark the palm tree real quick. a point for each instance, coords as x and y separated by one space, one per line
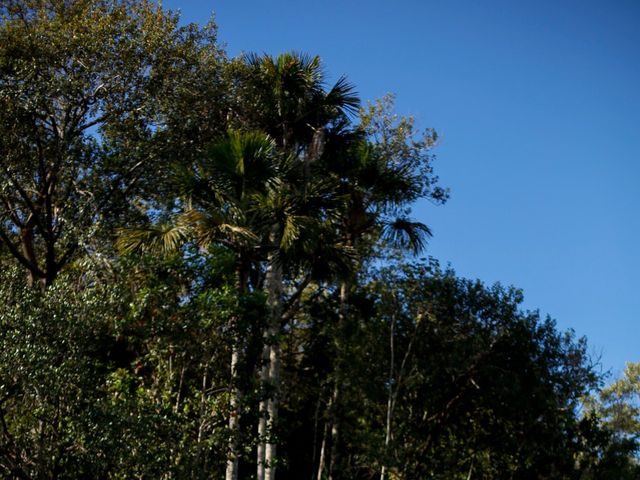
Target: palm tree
247 198
290 103
300 242
274 213
220 192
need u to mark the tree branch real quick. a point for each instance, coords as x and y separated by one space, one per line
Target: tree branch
21 258
288 308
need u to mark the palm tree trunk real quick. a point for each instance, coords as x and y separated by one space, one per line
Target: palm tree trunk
262 427
270 373
234 416
272 412
235 399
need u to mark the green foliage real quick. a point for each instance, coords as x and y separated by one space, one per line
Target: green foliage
83 117
210 242
476 385
615 414
51 345
117 381
619 402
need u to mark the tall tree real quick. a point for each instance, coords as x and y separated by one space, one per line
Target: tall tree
488 391
295 109
231 198
219 195
382 169
80 89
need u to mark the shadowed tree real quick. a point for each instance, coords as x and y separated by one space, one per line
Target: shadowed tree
384 167
233 197
287 99
219 194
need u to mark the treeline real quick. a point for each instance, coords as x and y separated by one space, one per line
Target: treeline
209 270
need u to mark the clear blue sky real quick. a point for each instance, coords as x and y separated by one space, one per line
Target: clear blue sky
538 107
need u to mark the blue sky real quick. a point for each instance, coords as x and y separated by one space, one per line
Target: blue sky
538 109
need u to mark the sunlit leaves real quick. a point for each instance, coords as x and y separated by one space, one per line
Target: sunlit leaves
84 118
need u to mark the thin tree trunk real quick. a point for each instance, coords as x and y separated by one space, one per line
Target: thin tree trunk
270 374
337 387
272 412
262 409
395 382
234 416
262 430
203 396
315 437
332 405
236 394
323 449
387 435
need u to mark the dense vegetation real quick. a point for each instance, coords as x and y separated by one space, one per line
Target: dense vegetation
209 270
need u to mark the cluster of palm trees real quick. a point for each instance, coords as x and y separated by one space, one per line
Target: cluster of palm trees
300 192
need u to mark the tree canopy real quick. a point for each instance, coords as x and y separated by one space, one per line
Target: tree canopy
210 270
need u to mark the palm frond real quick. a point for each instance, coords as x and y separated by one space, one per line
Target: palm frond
293 225
406 234
253 59
158 239
210 227
343 97
333 260
239 233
